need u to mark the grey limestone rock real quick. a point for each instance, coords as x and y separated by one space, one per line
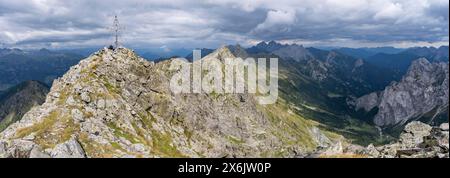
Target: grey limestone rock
423 90
69 149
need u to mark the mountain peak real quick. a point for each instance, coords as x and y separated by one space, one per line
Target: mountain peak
422 92
238 51
7 51
262 43
421 61
420 65
44 51
221 54
272 42
296 52
266 47
116 104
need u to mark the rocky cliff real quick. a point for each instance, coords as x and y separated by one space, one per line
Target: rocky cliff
18 100
116 104
422 92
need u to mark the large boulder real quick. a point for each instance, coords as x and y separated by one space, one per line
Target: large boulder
69 149
2 150
444 127
418 140
37 152
414 133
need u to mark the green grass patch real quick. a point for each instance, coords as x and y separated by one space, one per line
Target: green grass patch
39 128
162 145
118 132
56 128
235 140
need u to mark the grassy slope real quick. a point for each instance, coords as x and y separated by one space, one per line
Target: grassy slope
311 100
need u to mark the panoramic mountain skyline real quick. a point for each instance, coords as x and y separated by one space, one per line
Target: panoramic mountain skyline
271 79
94 110
210 24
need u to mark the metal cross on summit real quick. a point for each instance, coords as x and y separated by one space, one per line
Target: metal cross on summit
116 28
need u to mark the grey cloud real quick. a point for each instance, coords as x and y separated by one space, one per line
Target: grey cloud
180 23
63 38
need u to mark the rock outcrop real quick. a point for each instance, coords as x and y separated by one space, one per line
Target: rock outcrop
422 91
116 104
418 140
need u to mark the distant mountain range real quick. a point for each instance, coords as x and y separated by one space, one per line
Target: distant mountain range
42 65
400 62
266 47
45 65
153 54
342 73
342 76
365 53
117 104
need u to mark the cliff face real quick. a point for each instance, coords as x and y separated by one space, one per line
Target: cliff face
422 91
116 104
18 100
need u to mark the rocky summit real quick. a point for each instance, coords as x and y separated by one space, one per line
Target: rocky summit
116 104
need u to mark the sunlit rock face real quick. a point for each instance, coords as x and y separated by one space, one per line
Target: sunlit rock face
423 90
116 104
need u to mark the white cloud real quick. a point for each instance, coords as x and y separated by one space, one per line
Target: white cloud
391 11
214 22
276 18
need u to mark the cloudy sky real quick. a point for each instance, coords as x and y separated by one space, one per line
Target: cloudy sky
211 23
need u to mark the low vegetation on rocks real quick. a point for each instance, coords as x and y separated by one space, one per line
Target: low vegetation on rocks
116 104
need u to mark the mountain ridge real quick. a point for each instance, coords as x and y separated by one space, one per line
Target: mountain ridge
423 89
116 104
17 66
18 100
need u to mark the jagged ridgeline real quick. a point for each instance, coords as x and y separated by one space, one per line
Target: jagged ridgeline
116 104
422 94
